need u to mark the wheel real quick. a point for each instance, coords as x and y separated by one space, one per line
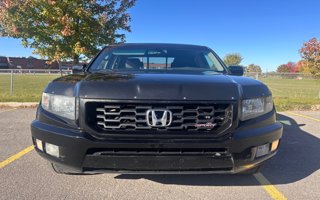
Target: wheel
253 170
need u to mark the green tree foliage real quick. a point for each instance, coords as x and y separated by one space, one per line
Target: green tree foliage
283 69
310 53
232 59
65 29
253 68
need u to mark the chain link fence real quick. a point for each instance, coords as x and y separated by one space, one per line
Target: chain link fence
297 76
26 84
292 91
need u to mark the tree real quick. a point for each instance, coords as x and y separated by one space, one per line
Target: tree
310 53
65 29
283 69
253 68
301 67
290 67
232 59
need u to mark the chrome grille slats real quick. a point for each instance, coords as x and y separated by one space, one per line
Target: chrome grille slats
111 116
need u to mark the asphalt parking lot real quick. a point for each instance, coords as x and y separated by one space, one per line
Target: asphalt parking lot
293 174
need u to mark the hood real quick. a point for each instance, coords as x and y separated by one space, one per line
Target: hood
157 86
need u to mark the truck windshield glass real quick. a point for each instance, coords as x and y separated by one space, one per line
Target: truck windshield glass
158 59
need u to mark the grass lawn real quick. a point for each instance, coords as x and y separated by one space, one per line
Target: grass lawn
26 88
289 94
294 94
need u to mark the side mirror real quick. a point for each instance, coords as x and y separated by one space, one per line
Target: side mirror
78 68
236 70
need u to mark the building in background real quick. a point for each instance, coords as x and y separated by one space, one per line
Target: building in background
4 63
30 63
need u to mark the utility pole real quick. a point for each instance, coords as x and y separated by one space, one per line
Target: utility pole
11 83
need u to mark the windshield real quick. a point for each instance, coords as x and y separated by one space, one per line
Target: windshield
156 59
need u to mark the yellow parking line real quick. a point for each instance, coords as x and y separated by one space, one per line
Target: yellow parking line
269 188
305 116
7 110
16 156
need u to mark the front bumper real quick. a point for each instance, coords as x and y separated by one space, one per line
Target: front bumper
80 152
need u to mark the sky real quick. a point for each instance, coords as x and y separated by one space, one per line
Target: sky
265 32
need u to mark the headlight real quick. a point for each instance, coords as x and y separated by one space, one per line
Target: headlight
60 105
252 108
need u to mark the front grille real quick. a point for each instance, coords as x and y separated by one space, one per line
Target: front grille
158 159
159 151
202 117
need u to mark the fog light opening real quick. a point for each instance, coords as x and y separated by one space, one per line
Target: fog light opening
52 149
39 144
274 145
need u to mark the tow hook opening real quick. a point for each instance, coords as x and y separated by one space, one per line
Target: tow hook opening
265 149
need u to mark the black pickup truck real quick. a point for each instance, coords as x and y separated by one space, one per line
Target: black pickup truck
156 108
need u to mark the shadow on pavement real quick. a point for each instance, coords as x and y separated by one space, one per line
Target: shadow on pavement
297 158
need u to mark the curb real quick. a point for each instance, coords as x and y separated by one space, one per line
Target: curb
18 104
